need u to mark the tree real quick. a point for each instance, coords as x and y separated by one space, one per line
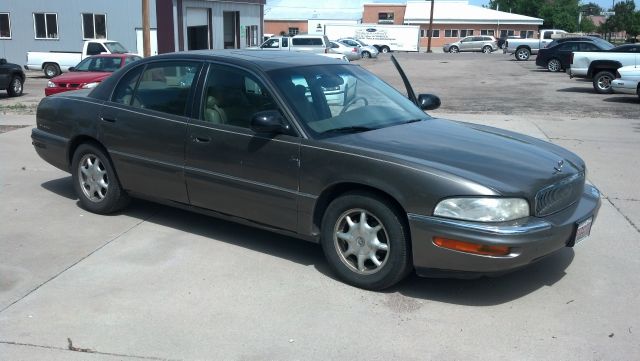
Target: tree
590 9
626 18
561 14
586 25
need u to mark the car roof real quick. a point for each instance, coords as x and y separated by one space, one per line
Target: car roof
115 55
261 59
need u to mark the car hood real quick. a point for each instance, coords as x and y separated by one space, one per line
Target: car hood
81 77
506 162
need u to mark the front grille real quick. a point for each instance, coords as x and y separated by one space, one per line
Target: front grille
559 196
68 85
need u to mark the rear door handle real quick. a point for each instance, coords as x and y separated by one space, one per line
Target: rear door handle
199 139
107 119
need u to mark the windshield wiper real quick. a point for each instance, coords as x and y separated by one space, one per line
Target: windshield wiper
413 120
350 129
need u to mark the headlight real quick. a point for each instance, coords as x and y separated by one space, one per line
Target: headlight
51 84
90 85
483 209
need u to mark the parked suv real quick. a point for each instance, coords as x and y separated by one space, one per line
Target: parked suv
307 43
11 78
484 43
366 51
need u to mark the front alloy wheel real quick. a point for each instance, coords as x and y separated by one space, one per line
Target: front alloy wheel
361 241
366 242
15 87
454 49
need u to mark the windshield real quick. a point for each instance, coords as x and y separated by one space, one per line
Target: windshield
330 100
99 63
115 47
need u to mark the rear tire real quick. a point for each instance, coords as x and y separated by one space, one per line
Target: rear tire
487 49
384 49
51 70
95 180
15 86
366 54
523 54
366 243
554 65
602 82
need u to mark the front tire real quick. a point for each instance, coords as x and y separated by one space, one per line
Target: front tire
95 181
523 54
366 242
554 65
15 87
602 82
454 49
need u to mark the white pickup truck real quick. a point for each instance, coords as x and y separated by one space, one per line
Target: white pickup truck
524 48
55 62
601 66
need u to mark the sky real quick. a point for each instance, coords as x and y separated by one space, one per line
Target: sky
605 4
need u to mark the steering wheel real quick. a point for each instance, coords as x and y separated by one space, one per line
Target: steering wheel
352 101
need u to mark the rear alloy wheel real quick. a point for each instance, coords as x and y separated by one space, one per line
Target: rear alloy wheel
15 87
95 181
554 65
365 242
523 54
454 49
366 54
51 70
487 49
602 82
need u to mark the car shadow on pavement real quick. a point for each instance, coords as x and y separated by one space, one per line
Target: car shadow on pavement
482 291
630 99
489 291
576 89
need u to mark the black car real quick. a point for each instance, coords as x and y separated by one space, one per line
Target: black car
558 57
324 151
11 78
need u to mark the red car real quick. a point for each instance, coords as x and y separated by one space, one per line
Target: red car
89 72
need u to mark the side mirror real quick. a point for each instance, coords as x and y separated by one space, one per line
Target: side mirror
270 122
3 61
428 101
73 68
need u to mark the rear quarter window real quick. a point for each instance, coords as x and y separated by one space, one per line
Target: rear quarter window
307 41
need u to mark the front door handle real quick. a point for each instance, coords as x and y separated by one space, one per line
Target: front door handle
109 119
201 139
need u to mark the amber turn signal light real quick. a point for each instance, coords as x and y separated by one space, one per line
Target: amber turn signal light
469 247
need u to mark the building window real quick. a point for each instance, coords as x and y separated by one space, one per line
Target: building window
45 25
385 18
526 34
464 33
448 33
251 34
505 33
424 33
5 26
293 31
489 32
94 26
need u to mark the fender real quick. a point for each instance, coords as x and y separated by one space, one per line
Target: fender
602 65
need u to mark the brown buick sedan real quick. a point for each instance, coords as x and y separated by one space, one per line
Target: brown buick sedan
324 151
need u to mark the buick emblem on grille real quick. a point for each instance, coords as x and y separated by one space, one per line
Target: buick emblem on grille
558 168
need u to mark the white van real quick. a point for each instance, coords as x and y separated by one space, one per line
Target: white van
308 43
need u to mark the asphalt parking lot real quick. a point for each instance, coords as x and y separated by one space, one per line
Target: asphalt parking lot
157 283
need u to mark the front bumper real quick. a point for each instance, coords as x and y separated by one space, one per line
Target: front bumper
529 239
624 86
55 90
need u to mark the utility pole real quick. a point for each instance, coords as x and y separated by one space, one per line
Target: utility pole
430 28
146 29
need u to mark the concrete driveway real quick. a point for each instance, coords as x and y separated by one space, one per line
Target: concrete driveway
156 283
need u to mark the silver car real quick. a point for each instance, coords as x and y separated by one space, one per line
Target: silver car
366 51
351 52
484 43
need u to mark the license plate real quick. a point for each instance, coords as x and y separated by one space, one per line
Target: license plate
583 229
